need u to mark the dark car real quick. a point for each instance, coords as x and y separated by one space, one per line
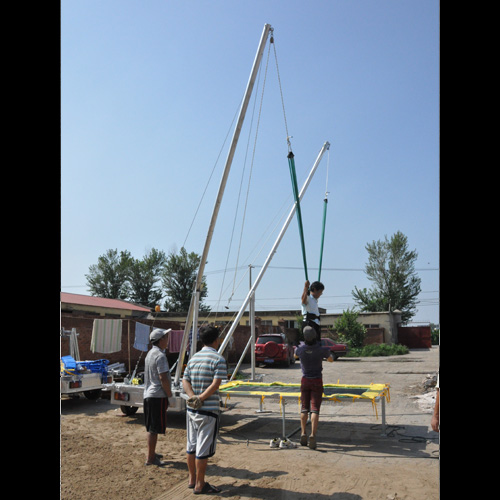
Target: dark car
274 348
336 349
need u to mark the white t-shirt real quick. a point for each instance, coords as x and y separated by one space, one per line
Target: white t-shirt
311 307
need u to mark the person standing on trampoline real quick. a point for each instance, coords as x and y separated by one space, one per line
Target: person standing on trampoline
310 309
311 356
201 380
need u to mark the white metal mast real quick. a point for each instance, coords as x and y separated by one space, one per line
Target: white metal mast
198 284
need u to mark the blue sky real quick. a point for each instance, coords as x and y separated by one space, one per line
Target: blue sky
149 91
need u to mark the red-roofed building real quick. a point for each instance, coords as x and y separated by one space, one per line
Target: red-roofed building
116 308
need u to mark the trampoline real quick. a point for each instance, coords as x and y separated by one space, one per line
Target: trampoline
331 392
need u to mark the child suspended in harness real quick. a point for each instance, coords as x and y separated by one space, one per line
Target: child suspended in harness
310 309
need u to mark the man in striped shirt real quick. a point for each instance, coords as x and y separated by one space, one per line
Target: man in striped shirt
201 380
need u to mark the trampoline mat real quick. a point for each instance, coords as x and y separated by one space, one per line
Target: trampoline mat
330 391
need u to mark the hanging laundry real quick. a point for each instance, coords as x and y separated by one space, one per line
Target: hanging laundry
106 336
175 340
141 337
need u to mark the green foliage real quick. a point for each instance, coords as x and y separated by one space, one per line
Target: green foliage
350 331
378 350
144 276
109 278
148 280
435 336
178 280
391 267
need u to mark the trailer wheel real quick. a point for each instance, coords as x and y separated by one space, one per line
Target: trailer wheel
128 410
92 395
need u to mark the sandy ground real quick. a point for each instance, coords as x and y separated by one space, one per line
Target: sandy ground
102 452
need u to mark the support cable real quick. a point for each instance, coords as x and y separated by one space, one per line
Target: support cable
325 205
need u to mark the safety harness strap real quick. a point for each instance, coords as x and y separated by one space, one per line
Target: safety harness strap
293 176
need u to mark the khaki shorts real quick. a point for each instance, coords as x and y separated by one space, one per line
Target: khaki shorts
202 429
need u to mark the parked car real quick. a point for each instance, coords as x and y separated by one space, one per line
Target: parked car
274 348
336 349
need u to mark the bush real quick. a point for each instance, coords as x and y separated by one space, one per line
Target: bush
435 337
350 330
379 350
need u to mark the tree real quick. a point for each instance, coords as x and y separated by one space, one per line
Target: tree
144 276
178 280
349 329
391 267
109 277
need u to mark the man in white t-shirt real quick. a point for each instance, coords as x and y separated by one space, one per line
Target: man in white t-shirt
157 390
310 309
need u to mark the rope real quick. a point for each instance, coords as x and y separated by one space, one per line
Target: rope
325 205
322 238
281 94
248 187
251 167
291 165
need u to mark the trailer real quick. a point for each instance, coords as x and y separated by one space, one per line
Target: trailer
129 396
82 377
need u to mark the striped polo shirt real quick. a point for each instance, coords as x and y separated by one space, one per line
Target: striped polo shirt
200 372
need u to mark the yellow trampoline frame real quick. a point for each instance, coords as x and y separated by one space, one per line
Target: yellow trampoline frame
331 392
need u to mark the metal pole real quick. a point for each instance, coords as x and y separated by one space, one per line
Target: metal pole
283 404
128 344
251 340
252 326
222 186
326 145
194 335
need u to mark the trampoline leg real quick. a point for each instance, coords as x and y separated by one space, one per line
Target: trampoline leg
383 417
260 410
283 404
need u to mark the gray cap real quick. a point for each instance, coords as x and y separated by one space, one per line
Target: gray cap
309 333
157 334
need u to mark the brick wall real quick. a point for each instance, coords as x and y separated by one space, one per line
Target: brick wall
374 336
83 326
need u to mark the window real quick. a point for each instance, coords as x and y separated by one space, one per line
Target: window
270 338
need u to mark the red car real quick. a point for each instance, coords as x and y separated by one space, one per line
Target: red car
274 348
336 349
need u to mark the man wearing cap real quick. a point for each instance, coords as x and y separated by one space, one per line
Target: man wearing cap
311 356
157 390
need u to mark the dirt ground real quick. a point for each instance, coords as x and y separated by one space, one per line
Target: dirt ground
102 451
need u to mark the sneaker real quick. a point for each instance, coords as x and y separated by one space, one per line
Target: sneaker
274 443
312 442
286 443
303 440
